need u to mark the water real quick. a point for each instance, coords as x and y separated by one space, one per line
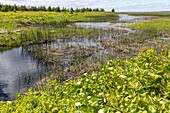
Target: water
17 72
109 25
20 69
125 17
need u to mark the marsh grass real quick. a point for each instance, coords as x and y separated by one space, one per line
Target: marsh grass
43 26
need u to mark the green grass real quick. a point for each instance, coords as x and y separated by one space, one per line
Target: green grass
159 24
140 84
13 26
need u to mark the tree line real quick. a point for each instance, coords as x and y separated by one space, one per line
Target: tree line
6 8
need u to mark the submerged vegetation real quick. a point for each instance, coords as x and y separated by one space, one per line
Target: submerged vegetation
139 84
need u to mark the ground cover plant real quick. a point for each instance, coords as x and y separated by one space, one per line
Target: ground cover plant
139 84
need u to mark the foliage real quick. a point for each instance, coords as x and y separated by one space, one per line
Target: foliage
140 84
5 8
113 10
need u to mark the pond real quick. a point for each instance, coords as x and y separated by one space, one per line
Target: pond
21 69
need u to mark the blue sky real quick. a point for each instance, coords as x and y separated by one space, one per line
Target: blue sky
119 5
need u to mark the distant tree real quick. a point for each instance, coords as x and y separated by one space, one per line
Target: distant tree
42 8
23 8
4 9
33 8
102 10
71 10
77 10
90 10
96 9
57 9
113 10
9 7
63 9
82 10
53 8
67 10
49 8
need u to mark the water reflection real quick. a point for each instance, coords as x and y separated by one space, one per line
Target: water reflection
109 25
18 71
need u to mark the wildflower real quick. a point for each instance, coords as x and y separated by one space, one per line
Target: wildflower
85 74
162 102
65 92
110 68
135 70
122 76
94 77
101 111
118 87
81 94
9 102
78 83
90 102
89 97
146 64
87 80
77 104
100 94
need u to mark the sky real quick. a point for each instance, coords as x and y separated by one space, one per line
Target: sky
118 5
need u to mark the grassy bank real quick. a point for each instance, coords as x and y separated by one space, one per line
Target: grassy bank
139 84
27 27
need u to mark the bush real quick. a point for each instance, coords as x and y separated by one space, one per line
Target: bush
4 9
140 84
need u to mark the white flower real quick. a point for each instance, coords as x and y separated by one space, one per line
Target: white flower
87 80
146 64
9 102
100 94
122 76
162 102
101 111
78 83
85 74
110 68
90 101
77 104
89 97
94 77
93 74
81 94
135 70
118 87
65 92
